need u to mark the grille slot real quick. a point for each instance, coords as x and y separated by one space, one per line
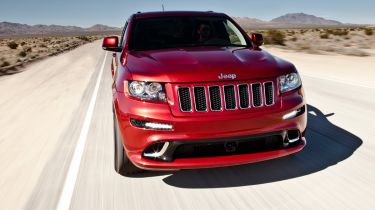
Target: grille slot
244 95
268 93
200 99
215 98
226 97
256 89
185 99
230 97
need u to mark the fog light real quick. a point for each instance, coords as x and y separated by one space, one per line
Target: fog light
294 113
150 125
156 150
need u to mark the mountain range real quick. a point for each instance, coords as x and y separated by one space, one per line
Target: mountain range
289 20
8 29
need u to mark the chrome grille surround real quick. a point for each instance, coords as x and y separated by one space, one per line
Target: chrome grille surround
226 97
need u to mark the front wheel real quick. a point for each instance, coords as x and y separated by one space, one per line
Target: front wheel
123 165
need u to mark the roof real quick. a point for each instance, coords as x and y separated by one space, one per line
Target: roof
176 13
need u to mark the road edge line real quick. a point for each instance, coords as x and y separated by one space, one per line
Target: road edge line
71 177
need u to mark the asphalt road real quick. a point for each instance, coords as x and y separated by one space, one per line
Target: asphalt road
45 115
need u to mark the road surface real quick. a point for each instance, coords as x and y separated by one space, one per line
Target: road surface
59 110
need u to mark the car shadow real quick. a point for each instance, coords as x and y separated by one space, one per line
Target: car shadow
327 145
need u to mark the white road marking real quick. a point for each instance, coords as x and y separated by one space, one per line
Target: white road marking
70 180
338 80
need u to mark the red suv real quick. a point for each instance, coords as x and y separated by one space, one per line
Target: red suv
192 90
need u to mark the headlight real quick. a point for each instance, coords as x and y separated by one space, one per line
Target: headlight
289 82
147 90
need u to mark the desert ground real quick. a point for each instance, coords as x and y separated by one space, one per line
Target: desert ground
44 109
18 51
355 41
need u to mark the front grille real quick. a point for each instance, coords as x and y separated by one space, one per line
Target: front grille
257 94
243 92
217 148
200 99
185 99
229 97
226 97
268 91
215 98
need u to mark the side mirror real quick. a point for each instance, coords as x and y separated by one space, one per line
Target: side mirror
257 40
111 44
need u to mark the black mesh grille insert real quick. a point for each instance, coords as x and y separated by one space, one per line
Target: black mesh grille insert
200 99
185 99
244 95
212 149
230 97
215 98
268 92
256 89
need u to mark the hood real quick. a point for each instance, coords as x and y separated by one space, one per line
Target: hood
205 64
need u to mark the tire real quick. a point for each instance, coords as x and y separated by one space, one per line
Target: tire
123 165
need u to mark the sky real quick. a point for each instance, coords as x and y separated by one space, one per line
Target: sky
86 13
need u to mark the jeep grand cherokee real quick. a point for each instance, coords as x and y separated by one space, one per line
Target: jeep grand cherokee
193 90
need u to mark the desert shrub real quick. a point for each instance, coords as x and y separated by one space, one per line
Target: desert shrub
46 39
368 31
338 32
23 43
293 39
12 45
274 37
42 45
28 49
22 54
83 38
324 36
5 63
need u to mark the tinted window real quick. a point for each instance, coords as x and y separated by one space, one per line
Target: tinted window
174 32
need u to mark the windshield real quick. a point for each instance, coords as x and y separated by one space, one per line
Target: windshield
176 32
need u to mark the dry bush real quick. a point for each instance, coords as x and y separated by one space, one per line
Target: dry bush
5 63
293 39
338 32
369 31
28 49
12 45
274 37
324 36
22 54
83 38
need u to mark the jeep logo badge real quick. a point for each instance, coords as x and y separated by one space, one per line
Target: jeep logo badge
227 76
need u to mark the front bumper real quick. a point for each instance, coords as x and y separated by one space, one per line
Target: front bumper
198 129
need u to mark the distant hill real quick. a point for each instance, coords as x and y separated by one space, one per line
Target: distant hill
304 19
290 20
7 29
